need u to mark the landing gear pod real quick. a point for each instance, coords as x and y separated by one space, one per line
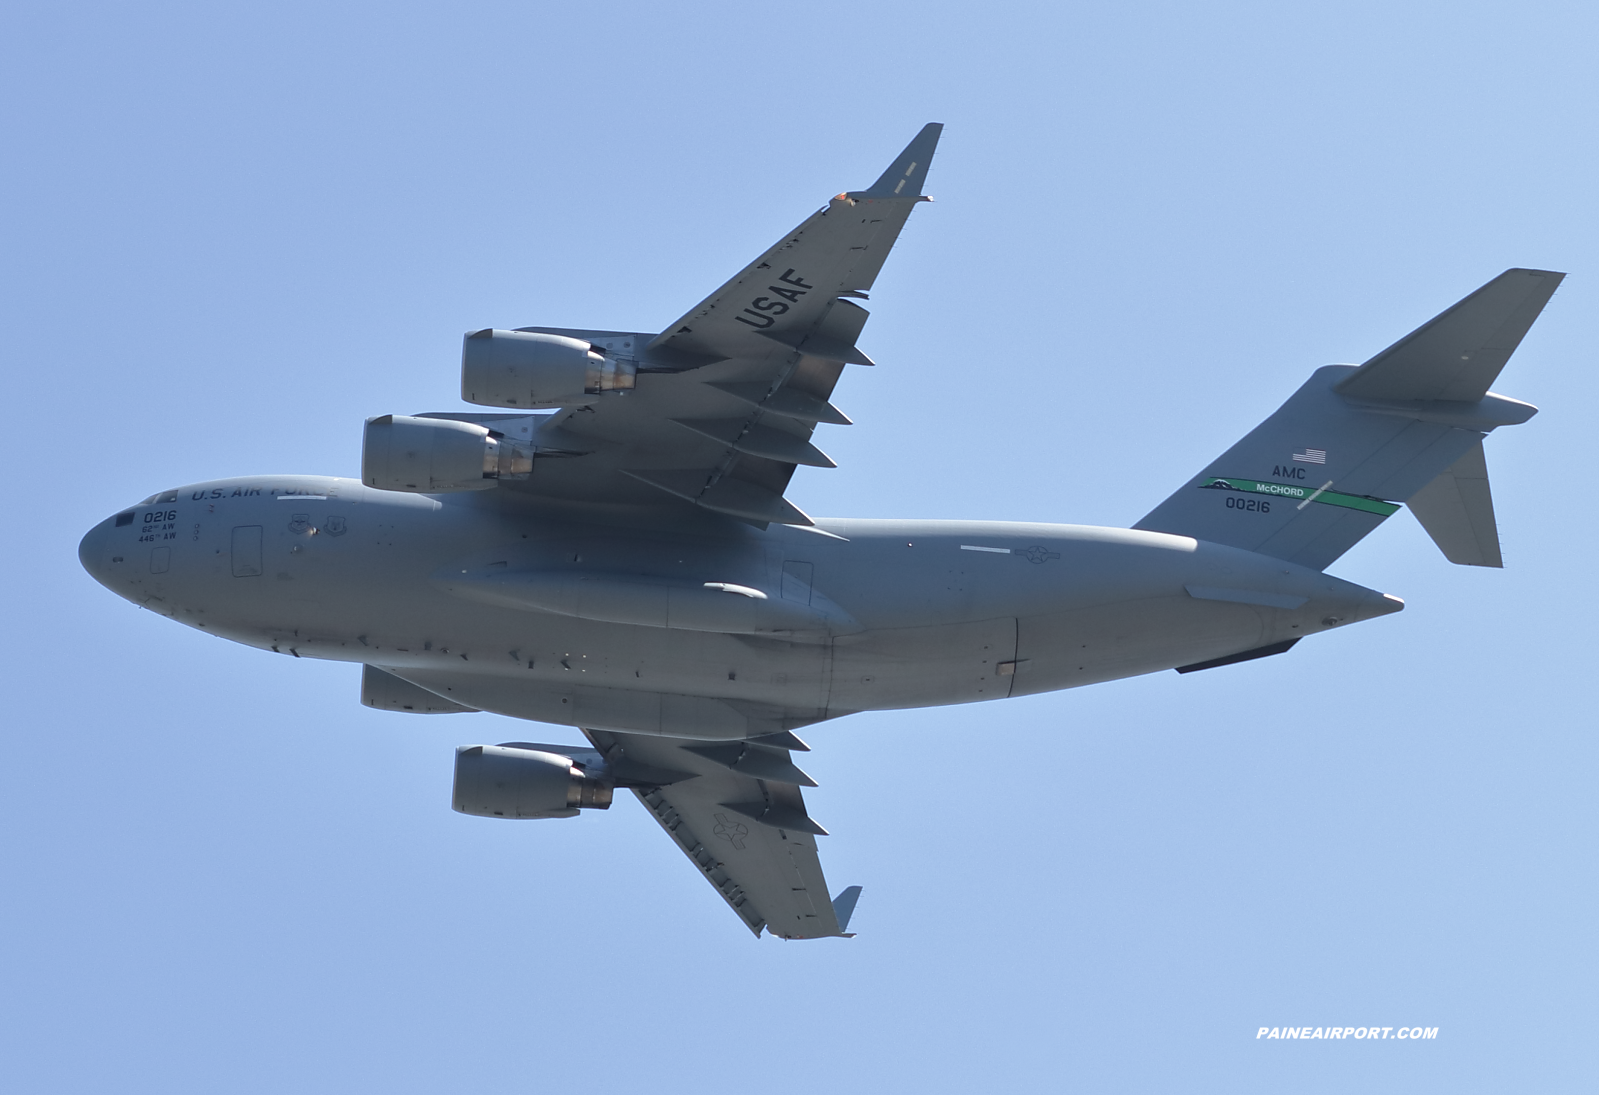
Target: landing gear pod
501 781
530 369
437 456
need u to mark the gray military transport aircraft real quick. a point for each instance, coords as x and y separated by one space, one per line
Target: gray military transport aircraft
611 550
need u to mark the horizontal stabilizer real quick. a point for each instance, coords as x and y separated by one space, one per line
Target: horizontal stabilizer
1457 510
1459 353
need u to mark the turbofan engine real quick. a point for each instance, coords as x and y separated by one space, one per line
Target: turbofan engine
505 781
437 455
531 369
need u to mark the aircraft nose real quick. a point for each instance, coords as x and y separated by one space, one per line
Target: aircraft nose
100 554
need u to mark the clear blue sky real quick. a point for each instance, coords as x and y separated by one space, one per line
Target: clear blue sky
232 232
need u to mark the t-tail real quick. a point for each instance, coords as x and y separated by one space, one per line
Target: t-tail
1355 442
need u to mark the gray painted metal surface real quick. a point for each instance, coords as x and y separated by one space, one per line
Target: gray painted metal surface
628 566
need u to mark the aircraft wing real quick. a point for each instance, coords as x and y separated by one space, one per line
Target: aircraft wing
734 806
726 398
736 810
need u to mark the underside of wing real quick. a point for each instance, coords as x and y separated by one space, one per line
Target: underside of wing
646 713
730 798
736 811
719 409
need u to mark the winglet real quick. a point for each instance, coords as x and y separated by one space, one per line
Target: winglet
844 907
904 176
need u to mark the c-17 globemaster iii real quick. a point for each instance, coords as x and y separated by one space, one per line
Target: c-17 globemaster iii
611 550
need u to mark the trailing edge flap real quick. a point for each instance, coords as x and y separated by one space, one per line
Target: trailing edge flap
1457 354
386 692
759 853
734 497
1457 510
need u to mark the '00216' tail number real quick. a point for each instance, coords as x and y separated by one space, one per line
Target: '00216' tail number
1249 505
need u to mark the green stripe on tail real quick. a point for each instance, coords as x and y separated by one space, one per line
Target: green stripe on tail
1300 493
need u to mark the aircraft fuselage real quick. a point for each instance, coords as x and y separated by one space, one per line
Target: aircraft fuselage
509 604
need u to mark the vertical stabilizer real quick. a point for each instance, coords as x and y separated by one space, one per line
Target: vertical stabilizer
1355 442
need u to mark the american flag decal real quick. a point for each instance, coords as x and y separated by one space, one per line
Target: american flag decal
1311 456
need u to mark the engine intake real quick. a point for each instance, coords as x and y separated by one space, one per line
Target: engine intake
503 781
529 369
437 455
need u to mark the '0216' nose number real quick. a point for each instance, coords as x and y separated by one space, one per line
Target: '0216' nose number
160 524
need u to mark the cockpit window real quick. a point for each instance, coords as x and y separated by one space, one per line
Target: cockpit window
158 499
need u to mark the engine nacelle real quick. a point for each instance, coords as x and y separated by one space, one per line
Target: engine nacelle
437 455
503 781
529 369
